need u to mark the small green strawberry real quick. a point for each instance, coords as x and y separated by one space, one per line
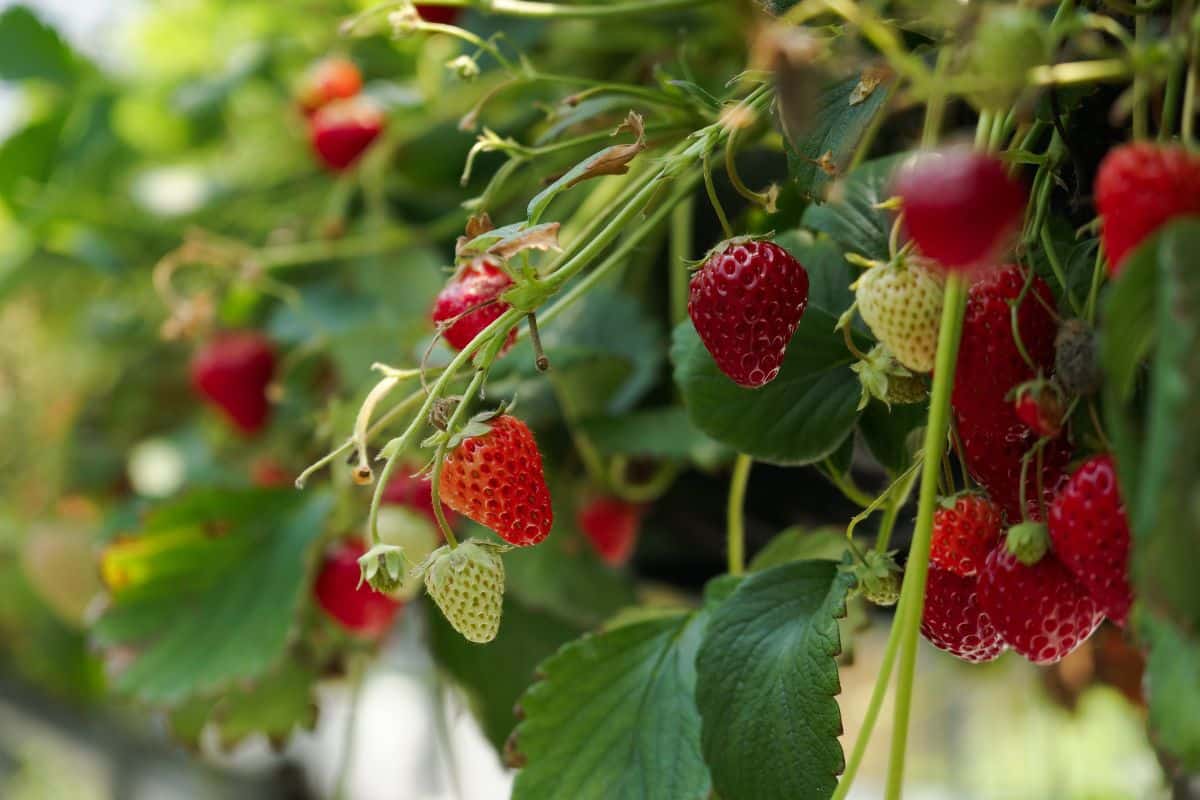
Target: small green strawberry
878 578
886 379
901 302
467 583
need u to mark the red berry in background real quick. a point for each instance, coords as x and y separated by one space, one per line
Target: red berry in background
1139 188
334 78
414 492
267 473
442 15
496 479
1089 532
746 301
990 366
342 131
953 620
357 608
1041 408
472 298
611 525
1041 611
964 533
961 207
232 371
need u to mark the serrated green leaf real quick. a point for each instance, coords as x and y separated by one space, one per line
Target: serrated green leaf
850 217
1173 678
766 682
836 128
802 416
614 717
209 594
495 674
798 544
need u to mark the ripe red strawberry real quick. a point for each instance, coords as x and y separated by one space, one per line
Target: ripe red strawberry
1140 187
359 609
232 371
1041 611
612 527
961 207
964 533
495 478
953 620
414 492
989 367
342 131
746 301
443 15
334 78
1040 406
472 298
1090 534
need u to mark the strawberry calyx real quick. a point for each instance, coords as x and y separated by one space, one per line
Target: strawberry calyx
720 247
1028 541
883 377
383 567
878 577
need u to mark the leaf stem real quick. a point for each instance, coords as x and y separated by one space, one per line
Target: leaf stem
711 189
917 569
540 10
681 253
735 514
846 486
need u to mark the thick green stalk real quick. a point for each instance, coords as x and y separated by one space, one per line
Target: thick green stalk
735 514
917 569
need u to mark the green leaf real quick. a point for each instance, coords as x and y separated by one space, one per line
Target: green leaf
614 717
1173 675
209 592
802 416
850 217
829 274
29 48
888 434
766 681
495 674
797 544
658 433
845 111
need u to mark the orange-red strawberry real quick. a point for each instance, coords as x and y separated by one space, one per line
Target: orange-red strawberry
1041 407
990 366
470 302
611 525
964 533
745 302
233 371
340 591
334 78
495 478
954 621
1040 610
1140 187
1090 534
342 131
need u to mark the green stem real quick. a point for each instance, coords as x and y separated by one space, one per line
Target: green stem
714 201
294 255
735 514
538 10
917 569
1187 125
896 501
1057 268
846 486
681 254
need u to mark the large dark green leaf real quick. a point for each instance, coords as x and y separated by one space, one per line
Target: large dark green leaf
798 544
658 433
850 217
800 417
209 592
614 717
1173 671
495 674
31 49
766 683
888 433
829 274
844 112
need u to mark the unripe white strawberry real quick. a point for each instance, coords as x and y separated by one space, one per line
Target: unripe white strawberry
901 302
467 583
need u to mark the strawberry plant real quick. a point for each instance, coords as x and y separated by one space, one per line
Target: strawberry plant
560 315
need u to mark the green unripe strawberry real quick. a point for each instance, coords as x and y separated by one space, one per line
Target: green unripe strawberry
901 302
1009 41
467 583
886 379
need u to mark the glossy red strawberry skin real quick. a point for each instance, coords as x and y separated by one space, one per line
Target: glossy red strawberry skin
954 621
476 286
1041 611
496 479
1089 533
330 79
989 367
414 492
965 533
961 207
341 131
611 525
232 371
359 609
443 15
745 303
1139 187
1042 414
